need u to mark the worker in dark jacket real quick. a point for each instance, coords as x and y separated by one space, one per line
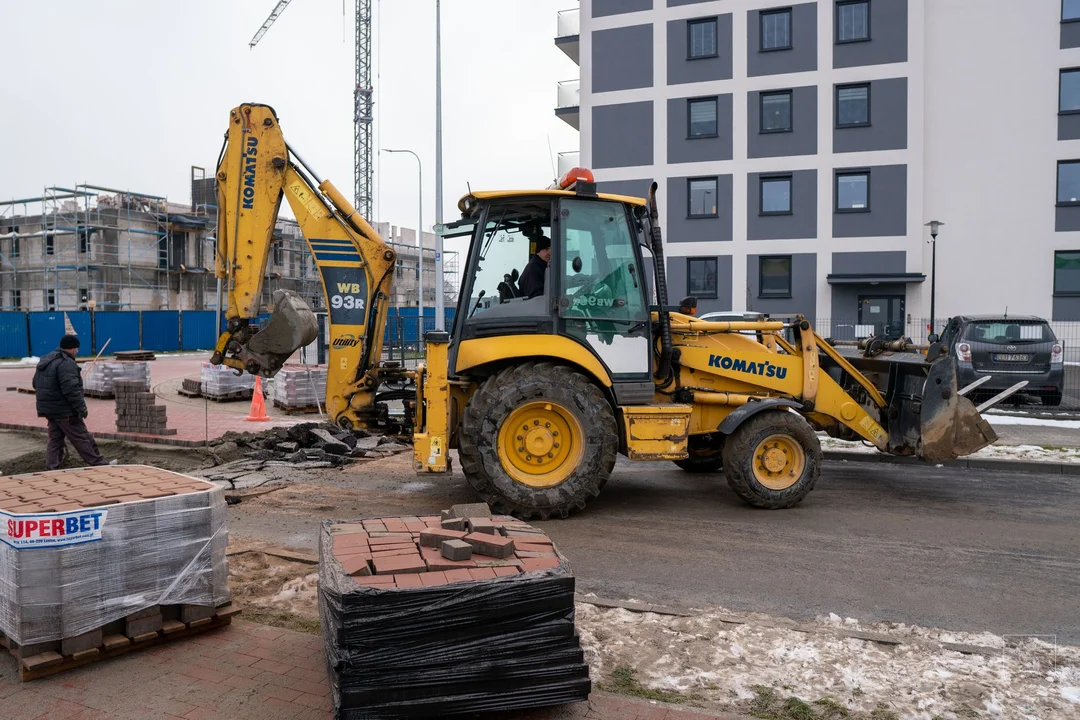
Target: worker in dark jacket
531 282
58 389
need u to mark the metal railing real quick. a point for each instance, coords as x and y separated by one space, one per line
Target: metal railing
569 23
569 94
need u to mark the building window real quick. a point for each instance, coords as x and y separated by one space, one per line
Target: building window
853 191
853 105
852 21
702 197
1068 182
16 299
774 279
701 117
1070 10
15 247
1069 91
776 29
1067 273
701 40
50 299
776 195
776 111
701 277
50 244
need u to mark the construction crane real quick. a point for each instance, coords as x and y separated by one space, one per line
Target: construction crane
362 100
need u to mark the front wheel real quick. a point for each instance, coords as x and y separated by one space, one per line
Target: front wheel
773 460
538 440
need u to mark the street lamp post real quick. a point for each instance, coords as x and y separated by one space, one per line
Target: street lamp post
933 225
419 241
440 312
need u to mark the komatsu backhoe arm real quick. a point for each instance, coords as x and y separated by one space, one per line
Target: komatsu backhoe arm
355 266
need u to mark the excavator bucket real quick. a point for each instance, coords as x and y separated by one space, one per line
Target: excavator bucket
292 325
949 425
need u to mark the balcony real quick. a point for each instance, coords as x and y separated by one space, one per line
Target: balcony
568 161
567 36
569 103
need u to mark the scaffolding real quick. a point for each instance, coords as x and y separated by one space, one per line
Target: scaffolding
84 247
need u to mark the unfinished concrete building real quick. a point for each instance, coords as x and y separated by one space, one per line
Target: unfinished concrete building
93 247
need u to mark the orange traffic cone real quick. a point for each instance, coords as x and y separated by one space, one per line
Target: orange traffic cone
258 404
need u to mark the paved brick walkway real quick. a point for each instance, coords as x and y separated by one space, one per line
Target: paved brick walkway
243 672
193 418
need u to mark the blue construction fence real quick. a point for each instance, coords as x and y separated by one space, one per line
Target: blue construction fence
403 325
23 334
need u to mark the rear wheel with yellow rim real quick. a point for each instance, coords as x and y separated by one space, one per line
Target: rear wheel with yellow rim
538 440
773 459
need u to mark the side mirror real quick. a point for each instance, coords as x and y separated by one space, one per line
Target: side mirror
933 338
576 264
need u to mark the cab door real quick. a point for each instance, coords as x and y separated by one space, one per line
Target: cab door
602 292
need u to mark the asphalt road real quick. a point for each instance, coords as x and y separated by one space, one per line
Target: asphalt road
957 549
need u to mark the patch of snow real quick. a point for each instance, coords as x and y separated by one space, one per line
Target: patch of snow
1043 422
719 662
992 452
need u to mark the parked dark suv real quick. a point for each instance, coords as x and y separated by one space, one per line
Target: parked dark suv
1009 349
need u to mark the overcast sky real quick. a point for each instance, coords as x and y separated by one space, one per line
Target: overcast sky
130 94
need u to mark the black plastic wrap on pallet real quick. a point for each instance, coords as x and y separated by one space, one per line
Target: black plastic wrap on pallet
494 645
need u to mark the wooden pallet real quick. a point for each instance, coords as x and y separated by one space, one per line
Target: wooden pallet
188 393
141 355
50 663
100 395
231 397
309 410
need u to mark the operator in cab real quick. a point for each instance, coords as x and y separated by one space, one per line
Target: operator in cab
531 282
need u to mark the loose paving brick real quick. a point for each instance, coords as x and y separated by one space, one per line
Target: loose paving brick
456 550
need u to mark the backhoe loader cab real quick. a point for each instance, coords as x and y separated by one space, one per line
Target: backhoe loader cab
563 354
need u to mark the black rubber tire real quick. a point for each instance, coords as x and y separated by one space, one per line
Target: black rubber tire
496 399
1051 398
739 457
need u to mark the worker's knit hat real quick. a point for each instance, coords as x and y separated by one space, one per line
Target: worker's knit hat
69 342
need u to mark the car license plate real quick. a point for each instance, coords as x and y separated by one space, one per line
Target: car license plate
1011 358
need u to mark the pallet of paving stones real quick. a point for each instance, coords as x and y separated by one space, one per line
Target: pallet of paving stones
299 388
100 381
221 383
447 616
90 553
307 410
190 387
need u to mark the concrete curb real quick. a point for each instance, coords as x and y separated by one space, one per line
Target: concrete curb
1028 466
129 437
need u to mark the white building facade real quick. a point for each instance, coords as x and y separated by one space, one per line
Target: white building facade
801 149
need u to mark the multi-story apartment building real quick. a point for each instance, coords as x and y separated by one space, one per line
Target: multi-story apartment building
800 149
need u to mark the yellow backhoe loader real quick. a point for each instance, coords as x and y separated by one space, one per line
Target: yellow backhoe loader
540 391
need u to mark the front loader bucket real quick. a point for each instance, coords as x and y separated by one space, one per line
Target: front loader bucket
292 325
949 425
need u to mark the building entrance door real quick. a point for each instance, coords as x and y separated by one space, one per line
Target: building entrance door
884 313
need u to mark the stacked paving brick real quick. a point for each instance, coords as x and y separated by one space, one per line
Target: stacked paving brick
440 617
137 410
220 382
300 387
95 559
103 376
